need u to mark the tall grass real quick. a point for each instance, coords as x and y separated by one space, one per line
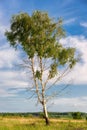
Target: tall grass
38 124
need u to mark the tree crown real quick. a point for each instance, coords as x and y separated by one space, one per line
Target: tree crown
39 35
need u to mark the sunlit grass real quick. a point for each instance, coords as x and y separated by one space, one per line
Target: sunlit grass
22 123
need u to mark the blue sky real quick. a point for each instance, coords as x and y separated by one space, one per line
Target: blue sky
13 81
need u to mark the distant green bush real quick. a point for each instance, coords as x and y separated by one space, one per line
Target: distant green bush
76 115
41 115
86 118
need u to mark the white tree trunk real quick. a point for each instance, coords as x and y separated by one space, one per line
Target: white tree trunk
45 114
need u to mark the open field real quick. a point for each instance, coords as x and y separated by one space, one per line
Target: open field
23 123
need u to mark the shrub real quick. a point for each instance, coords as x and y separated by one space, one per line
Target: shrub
76 115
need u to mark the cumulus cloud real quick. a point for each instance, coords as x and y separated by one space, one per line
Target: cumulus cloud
7 56
79 73
11 75
84 24
17 78
2 30
12 80
70 104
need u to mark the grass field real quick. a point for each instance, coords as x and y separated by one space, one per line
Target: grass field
22 123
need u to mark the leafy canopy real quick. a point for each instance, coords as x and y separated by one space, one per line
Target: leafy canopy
39 35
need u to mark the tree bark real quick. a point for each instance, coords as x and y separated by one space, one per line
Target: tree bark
45 114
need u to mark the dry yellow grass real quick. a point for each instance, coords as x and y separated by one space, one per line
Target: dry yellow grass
67 120
23 123
24 120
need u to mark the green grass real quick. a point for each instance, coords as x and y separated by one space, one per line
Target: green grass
22 123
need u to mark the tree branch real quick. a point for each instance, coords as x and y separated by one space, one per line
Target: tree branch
59 78
35 81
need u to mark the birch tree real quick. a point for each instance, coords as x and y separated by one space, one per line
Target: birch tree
39 36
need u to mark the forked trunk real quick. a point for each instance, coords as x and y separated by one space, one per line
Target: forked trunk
46 114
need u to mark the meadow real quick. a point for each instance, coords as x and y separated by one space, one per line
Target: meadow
36 123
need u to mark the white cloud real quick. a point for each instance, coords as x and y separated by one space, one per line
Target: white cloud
8 56
10 77
69 21
79 73
84 24
18 105
70 104
78 101
3 28
15 78
4 93
8 82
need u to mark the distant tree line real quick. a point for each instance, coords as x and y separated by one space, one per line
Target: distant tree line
72 115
